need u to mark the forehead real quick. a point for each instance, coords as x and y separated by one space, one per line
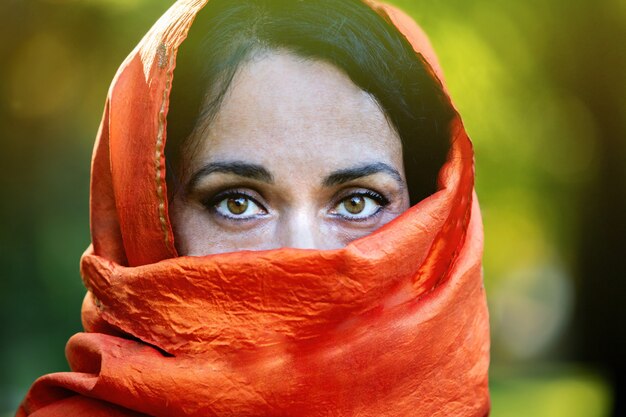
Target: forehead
281 106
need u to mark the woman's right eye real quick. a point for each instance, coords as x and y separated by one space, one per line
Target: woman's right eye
238 206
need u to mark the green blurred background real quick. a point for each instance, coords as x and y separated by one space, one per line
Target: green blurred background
540 85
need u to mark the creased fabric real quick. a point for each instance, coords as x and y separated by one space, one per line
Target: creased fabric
394 324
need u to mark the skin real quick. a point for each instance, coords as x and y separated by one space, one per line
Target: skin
297 156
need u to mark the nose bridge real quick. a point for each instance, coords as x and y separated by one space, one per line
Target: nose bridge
300 228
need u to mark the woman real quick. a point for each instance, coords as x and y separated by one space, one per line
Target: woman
306 306
265 70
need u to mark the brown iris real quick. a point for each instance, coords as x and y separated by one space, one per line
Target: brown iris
237 205
355 204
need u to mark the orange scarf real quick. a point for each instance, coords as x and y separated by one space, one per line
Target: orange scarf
394 324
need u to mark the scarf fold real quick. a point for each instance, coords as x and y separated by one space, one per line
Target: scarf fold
394 324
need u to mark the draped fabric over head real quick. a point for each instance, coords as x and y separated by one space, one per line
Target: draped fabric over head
394 324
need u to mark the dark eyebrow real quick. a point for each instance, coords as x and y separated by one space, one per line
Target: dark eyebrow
242 169
349 174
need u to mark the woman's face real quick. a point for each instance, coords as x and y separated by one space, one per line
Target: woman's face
297 156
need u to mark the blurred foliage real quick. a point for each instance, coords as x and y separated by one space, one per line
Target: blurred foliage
539 84
552 392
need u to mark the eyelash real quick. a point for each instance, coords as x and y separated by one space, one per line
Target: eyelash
379 198
212 202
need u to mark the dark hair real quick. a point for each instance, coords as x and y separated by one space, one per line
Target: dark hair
347 33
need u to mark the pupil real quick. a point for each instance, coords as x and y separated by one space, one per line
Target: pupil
237 205
355 205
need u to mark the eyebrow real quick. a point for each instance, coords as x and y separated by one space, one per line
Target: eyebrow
260 173
239 168
350 174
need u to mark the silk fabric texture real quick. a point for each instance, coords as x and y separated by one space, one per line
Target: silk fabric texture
394 324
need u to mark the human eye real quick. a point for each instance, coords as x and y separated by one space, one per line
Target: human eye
236 205
360 205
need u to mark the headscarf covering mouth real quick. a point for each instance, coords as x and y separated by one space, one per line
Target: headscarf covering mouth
394 324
